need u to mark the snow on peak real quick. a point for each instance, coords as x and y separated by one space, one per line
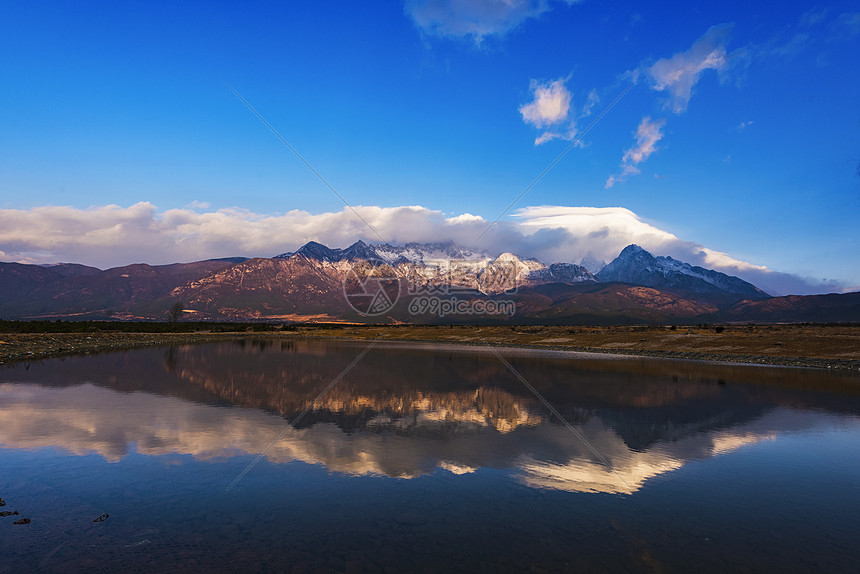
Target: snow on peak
507 257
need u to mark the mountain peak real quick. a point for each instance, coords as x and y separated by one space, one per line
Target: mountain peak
440 253
358 250
506 257
562 273
632 250
592 263
637 266
319 252
633 265
314 250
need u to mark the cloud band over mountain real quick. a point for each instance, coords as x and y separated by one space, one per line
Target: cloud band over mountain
111 235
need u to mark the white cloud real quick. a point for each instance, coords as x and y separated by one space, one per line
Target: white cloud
550 106
605 231
647 135
552 102
551 110
680 73
464 218
546 137
111 235
476 19
744 125
612 180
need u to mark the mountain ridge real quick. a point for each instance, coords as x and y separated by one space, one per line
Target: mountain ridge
309 284
637 266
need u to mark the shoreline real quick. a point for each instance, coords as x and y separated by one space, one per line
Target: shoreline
20 347
761 360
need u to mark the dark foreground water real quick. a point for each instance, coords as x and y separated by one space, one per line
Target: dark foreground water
424 459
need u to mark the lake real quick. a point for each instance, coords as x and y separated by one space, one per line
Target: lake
287 455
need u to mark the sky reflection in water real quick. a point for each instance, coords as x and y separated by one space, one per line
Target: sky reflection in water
419 454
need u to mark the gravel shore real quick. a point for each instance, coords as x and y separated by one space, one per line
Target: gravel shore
16 347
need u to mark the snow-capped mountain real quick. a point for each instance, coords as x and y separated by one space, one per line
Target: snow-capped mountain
592 263
563 273
428 254
309 285
637 266
506 272
431 254
450 265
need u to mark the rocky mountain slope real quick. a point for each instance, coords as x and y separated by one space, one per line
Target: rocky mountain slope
831 308
68 290
636 266
314 282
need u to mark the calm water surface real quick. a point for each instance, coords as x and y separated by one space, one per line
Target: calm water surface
424 459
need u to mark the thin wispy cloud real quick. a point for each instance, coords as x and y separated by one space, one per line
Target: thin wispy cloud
552 108
110 235
647 135
678 75
848 23
812 27
813 16
785 44
592 100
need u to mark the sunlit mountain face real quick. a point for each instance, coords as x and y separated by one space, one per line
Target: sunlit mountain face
405 412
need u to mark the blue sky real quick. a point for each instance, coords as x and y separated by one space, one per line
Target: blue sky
741 131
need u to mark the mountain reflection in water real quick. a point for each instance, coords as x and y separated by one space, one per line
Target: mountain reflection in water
408 410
